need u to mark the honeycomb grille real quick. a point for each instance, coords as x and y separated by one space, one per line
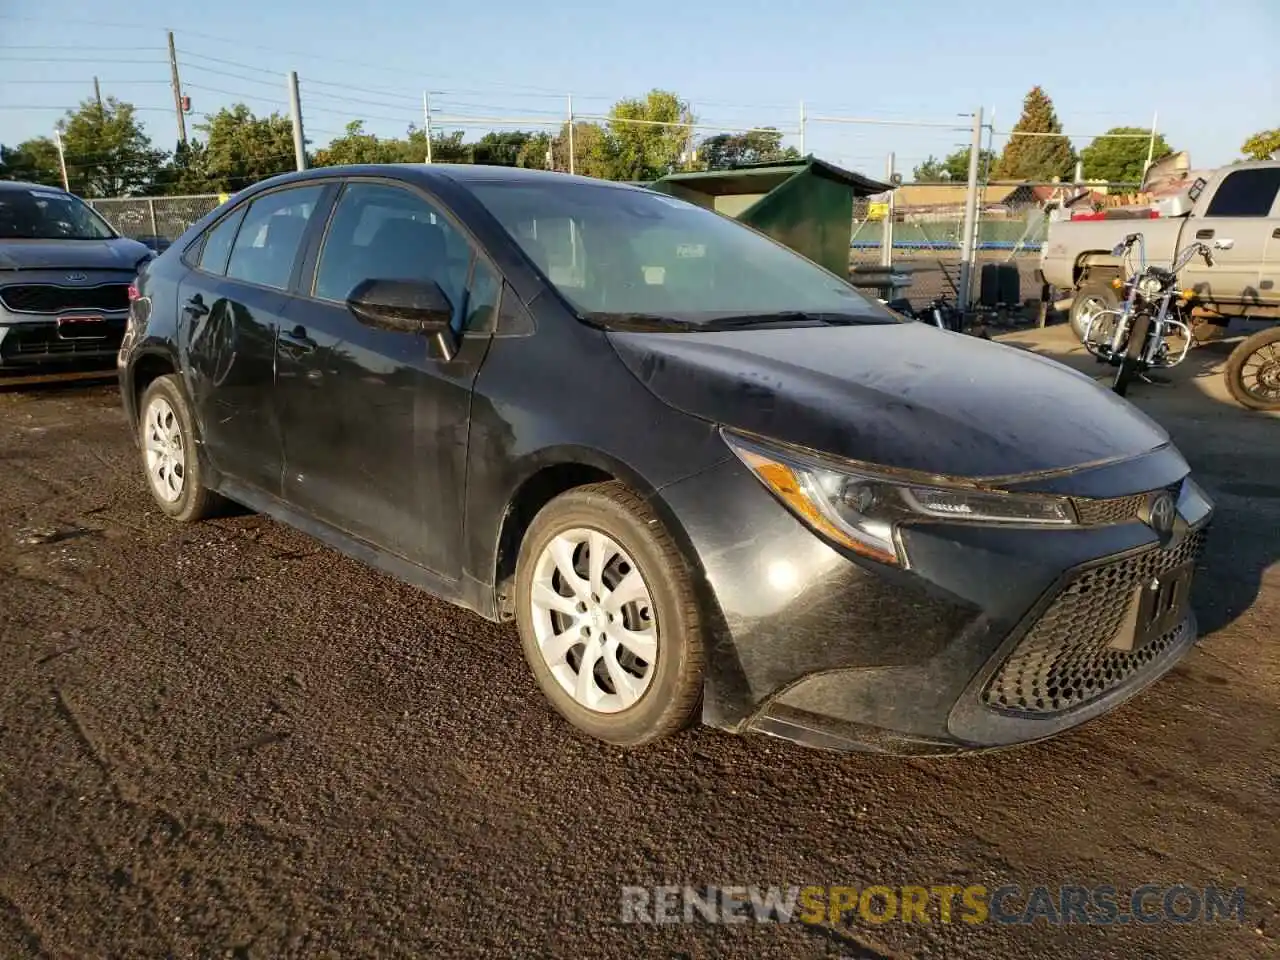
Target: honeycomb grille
1096 513
1066 660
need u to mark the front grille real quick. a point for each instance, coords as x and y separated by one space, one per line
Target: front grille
34 343
1066 659
50 298
1096 513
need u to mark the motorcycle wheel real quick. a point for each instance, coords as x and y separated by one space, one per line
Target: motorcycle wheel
1253 371
1131 362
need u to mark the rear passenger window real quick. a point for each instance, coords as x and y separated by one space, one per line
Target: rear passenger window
1246 193
217 243
268 242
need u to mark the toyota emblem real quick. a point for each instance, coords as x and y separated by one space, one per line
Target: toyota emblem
76 277
1161 511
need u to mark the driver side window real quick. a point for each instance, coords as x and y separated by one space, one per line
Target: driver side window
388 233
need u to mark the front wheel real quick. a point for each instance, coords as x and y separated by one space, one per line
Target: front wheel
1131 362
1253 371
1093 297
607 616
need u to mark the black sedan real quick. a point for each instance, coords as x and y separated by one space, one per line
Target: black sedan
705 477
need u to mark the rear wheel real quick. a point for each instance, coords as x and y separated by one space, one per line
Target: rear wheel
1253 371
166 434
1094 296
1131 362
607 616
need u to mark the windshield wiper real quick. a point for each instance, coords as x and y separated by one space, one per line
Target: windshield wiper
788 318
637 322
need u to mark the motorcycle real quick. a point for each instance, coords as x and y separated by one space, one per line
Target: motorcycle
940 313
1135 338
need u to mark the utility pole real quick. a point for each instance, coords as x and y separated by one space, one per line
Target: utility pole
571 168
295 114
62 159
802 124
969 230
97 94
177 91
426 121
1151 146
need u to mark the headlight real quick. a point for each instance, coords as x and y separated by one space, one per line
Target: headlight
862 511
1150 287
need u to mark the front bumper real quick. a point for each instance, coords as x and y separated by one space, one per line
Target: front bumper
995 636
50 344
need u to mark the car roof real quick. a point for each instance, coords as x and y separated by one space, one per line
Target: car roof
22 185
426 174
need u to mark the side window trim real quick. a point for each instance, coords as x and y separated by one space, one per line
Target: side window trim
323 207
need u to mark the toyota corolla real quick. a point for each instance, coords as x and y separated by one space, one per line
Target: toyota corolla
706 478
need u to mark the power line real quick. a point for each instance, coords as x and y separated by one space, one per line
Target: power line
54 106
87 82
201 68
81 59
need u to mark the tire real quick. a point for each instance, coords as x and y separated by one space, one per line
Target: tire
657 697
1253 371
1094 294
1132 359
170 462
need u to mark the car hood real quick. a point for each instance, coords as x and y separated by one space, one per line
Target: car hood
119 253
904 395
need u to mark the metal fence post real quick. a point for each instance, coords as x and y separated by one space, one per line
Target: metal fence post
886 227
969 230
571 167
802 124
151 207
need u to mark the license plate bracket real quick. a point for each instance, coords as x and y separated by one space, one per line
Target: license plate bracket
87 327
1156 606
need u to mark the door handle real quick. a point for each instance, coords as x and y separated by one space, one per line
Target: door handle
1204 234
297 339
195 306
1276 233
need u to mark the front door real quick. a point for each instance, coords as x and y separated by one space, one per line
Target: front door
231 305
1240 212
375 429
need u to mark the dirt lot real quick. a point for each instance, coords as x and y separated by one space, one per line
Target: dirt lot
224 740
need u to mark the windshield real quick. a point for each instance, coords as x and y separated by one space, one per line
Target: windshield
643 260
48 215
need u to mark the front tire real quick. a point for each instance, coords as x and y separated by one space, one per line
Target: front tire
1131 362
608 619
1092 297
167 439
1253 371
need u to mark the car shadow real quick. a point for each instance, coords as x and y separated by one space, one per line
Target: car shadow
1233 454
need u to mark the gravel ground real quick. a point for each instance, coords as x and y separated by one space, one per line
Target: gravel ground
224 740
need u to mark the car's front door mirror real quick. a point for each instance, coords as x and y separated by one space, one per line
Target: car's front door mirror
407 306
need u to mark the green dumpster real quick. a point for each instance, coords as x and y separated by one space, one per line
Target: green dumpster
806 204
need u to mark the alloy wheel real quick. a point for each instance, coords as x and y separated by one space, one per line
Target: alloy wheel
164 450
594 620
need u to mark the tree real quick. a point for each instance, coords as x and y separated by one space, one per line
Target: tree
356 146
1122 159
500 149
35 161
734 149
1263 145
107 153
594 151
533 154
648 149
953 168
1036 157
241 148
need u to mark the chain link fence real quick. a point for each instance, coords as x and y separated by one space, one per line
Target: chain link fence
158 220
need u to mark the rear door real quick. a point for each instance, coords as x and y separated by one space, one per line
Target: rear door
375 428
1239 210
231 304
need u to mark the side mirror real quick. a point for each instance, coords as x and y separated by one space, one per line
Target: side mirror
1119 249
407 306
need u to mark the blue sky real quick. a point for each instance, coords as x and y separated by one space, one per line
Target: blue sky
1207 67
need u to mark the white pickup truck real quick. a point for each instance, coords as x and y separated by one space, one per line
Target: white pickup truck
1237 208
